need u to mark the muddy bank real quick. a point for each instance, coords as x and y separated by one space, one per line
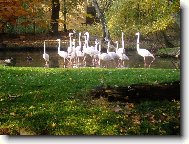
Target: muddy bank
138 92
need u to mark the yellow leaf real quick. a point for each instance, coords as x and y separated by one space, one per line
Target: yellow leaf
60 21
12 113
88 15
53 124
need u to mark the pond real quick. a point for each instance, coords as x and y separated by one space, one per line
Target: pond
135 61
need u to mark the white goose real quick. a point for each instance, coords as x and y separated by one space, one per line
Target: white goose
69 49
121 50
90 50
78 48
62 54
103 57
144 52
96 53
79 53
73 55
113 55
45 56
122 56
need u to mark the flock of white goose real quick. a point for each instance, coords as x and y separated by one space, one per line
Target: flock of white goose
77 56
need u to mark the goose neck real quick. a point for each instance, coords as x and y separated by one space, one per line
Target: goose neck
96 45
59 46
138 42
117 46
123 44
80 40
70 41
44 46
108 49
99 48
122 40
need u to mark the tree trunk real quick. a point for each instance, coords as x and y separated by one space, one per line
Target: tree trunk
64 14
106 35
55 16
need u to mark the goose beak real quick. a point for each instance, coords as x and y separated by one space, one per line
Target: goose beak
70 34
137 33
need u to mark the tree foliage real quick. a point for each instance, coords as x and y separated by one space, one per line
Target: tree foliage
147 16
130 16
10 10
20 14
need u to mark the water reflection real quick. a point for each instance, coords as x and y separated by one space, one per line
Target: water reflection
35 59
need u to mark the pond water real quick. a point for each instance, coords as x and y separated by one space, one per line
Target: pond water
135 60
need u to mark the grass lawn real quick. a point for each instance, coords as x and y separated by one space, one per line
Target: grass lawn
56 101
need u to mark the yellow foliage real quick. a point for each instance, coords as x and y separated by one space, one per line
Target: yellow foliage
61 21
88 15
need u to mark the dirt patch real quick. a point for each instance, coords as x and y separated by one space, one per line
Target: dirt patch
138 93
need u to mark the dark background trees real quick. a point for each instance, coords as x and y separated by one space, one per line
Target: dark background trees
154 19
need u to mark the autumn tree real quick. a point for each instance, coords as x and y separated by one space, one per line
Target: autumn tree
69 9
40 13
10 11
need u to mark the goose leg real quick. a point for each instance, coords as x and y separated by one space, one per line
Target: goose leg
46 64
123 63
152 62
145 62
64 63
99 63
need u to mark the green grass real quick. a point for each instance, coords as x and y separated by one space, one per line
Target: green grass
57 102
